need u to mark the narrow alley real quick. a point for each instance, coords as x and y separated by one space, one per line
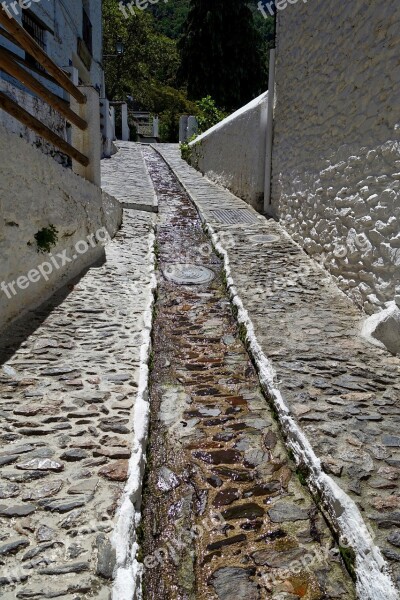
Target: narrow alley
151 447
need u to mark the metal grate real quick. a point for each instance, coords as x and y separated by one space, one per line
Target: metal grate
188 274
37 31
234 217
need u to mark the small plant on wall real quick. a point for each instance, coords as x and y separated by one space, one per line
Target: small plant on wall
46 238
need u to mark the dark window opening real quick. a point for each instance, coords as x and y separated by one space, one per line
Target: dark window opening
87 31
37 31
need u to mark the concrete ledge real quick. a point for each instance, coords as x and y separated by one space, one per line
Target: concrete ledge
132 187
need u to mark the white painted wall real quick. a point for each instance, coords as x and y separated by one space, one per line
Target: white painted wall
64 20
232 153
36 192
336 153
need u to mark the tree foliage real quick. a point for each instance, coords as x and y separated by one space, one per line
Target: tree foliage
147 69
222 53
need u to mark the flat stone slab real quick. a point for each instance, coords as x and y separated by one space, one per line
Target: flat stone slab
125 177
69 375
342 392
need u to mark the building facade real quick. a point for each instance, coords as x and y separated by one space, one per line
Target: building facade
70 32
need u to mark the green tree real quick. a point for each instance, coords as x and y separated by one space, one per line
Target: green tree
222 53
147 69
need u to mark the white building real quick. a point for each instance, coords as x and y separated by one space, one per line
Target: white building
70 32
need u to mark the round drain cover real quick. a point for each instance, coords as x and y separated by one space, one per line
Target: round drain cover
188 274
265 238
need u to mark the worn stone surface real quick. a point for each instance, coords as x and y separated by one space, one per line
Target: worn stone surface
125 177
68 382
343 393
213 481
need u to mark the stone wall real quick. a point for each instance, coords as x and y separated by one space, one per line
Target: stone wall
37 195
233 152
336 154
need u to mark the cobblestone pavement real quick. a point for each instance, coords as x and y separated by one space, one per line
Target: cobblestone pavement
341 392
225 515
68 382
125 177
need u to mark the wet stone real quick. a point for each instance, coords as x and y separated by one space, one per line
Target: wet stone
214 480
250 510
234 474
283 511
277 560
167 480
236 539
263 489
391 554
394 538
230 583
226 497
218 457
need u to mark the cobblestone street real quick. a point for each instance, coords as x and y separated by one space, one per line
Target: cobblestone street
273 461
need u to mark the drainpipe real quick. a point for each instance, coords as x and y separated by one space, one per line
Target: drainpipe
270 127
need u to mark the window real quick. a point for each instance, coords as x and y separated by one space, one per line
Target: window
87 31
37 31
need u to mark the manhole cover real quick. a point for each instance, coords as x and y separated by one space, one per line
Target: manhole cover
265 238
188 274
234 217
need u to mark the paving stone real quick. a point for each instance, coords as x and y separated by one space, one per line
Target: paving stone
231 583
73 455
14 546
278 560
106 557
17 510
285 511
116 471
37 464
78 567
79 336
48 489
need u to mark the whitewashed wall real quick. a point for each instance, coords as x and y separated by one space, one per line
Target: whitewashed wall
64 20
336 155
233 152
36 192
